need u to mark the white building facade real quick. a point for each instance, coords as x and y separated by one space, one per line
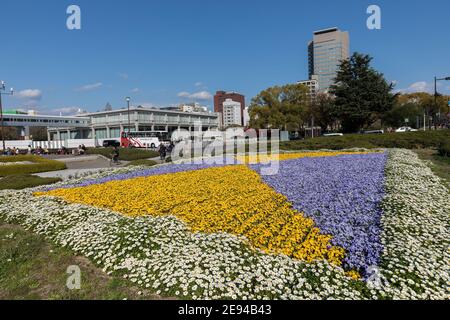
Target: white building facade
232 115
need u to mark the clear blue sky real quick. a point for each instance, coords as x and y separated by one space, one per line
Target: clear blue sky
154 50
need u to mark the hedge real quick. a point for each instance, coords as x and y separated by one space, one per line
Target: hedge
143 162
444 149
17 182
39 164
410 140
125 154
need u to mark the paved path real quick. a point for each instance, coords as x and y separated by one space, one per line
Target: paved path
81 165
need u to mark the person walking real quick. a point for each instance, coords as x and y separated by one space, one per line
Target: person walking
162 151
115 155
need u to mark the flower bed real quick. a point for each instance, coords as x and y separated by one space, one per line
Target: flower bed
205 255
342 194
228 199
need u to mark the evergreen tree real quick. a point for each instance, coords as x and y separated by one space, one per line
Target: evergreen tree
362 95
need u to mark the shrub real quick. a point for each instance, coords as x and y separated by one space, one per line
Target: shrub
37 164
147 163
411 140
444 149
17 182
125 154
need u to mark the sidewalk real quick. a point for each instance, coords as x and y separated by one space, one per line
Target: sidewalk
80 165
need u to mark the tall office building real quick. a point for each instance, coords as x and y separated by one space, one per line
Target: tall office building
221 96
325 52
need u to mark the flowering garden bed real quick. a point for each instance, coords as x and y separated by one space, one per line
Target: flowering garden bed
337 226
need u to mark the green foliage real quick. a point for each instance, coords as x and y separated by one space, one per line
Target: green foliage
362 94
279 107
18 182
444 149
411 140
39 164
397 115
125 154
143 162
322 109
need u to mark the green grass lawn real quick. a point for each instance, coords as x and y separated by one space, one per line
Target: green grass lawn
411 140
31 268
125 154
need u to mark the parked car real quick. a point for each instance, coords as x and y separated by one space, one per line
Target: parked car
111 143
405 129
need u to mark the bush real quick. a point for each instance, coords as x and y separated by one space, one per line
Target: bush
410 140
444 149
17 182
147 163
125 154
38 164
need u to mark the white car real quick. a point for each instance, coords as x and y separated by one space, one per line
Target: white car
405 129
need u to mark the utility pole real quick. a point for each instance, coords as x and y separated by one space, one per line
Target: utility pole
2 92
129 119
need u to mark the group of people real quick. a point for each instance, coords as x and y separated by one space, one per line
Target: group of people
12 152
16 151
165 149
81 150
38 151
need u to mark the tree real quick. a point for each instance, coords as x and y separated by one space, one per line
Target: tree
11 133
362 94
39 133
322 110
279 107
400 112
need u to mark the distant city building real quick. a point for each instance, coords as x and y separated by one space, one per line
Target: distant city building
312 84
187 107
193 107
232 113
246 117
325 53
221 96
109 124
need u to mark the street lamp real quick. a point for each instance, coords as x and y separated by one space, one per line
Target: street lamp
436 92
3 92
129 119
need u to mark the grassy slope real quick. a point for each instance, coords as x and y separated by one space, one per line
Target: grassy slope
30 268
439 165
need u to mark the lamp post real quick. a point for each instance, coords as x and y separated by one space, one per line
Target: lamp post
3 92
129 119
436 79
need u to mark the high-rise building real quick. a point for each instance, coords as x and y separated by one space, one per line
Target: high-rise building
325 53
232 113
222 96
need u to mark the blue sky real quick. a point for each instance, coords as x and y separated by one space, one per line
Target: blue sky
163 52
